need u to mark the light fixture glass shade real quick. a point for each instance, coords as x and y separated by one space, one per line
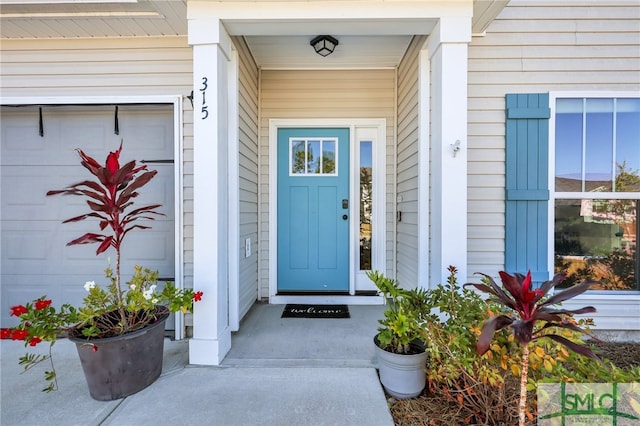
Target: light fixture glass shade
324 44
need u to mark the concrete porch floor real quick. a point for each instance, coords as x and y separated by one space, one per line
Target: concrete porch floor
280 371
265 339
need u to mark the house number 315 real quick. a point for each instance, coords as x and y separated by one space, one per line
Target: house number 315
203 89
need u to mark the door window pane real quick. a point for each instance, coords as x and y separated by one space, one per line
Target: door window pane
366 204
313 157
298 157
310 157
328 157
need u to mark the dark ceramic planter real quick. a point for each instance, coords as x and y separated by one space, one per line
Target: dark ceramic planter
122 365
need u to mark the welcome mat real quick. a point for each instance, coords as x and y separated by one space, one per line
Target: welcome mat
315 311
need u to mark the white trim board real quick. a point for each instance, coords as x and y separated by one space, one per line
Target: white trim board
363 128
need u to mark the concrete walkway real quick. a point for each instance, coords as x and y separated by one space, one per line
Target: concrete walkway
280 371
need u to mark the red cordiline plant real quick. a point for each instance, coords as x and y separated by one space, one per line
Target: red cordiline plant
534 316
108 198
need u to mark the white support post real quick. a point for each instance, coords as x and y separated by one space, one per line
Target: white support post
447 47
211 53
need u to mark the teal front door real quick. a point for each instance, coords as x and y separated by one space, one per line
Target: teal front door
313 210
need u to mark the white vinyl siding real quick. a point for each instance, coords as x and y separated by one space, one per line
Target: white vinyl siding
407 230
96 67
103 68
248 176
324 94
538 47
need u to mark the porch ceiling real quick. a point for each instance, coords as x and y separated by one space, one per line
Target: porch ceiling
364 43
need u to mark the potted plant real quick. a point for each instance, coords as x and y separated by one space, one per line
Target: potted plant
400 351
119 329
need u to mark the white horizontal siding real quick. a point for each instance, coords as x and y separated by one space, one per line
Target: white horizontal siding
407 232
248 179
534 47
96 67
323 94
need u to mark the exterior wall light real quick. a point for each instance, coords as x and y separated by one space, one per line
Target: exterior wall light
324 44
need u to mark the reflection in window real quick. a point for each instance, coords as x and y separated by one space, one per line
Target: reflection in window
298 157
328 157
598 239
597 151
313 157
366 205
596 142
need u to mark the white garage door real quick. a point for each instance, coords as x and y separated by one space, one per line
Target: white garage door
35 260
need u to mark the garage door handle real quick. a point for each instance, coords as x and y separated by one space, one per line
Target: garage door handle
156 161
166 279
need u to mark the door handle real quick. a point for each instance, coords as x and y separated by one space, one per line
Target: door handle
345 203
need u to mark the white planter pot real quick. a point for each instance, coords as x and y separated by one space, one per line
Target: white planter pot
402 376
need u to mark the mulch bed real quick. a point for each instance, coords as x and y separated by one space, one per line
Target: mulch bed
622 355
431 410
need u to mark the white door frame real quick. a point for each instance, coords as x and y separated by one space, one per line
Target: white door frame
176 101
360 129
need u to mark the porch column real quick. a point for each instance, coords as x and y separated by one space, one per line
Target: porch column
211 53
447 47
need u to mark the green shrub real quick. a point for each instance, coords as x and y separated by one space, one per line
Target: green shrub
484 389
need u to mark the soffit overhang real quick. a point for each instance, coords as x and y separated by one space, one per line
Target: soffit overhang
371 33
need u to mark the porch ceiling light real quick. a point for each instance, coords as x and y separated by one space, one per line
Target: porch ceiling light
324 44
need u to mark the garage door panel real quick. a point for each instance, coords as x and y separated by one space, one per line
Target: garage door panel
20 140
92 131
159 190
24 192
24 246
35 259
43 250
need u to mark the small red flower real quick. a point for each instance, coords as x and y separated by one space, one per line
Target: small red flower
19 335
16 311
94 348
34 341
42 304
5 333
197 296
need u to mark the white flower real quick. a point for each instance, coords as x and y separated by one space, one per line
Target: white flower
89 285
132 286
152 288
147 294
154 300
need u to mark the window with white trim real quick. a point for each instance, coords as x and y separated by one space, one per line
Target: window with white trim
596 190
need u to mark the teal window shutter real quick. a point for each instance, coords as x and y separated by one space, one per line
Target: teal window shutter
526 183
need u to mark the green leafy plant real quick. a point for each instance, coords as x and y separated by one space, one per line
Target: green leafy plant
114 309
465 387
530 318
406 313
